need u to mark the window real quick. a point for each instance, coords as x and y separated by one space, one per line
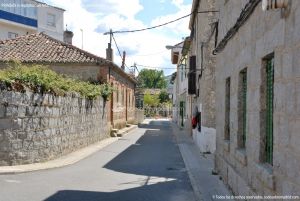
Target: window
31 11
267 96
12 35
129 98
17 7
242 109
182 112
117 93
192 76
227 109
51 20
123 96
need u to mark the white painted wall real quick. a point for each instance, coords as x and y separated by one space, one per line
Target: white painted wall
174 103
6 27
42 12
56 31
205 140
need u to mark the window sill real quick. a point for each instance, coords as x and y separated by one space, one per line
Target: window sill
241 156
226 145
265 175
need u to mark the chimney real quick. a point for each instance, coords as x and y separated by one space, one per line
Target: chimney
68 36
123 60
109 53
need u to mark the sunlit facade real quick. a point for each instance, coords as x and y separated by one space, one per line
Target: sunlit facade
20 17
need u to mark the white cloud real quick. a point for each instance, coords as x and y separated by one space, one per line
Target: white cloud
98 16
177 3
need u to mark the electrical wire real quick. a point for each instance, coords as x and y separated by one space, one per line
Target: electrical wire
119 50
160 25
155 67
160 67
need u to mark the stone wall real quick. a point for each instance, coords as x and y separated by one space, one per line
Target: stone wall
36 128
262 34
202 45
139 116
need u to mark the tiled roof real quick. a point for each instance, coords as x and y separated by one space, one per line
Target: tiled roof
41 48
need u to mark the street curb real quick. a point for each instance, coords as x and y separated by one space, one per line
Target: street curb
126 130
66 160
196 190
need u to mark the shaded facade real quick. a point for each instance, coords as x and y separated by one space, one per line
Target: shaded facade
257 97
202 81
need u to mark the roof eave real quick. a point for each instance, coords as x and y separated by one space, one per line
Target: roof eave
194 13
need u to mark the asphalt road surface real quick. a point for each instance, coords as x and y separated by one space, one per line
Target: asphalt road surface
145 165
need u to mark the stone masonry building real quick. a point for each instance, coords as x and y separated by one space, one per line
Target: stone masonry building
40 48
203 25
182 107
258 97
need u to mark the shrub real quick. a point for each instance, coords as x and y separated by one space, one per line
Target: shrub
41 79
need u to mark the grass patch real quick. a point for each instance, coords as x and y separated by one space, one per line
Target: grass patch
40 79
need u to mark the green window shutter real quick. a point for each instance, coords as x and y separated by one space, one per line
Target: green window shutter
244 107
181 109
227 109
269 110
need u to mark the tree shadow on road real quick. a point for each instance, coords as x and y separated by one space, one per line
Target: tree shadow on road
156 156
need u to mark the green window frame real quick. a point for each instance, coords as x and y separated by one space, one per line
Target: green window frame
227 108
242 109
181 110
269 109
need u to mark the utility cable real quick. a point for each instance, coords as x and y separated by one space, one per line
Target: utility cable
160 67
118 49
155 67
160 25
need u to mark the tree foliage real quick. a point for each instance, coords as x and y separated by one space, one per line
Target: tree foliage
151 100
40 79
149 78
164 96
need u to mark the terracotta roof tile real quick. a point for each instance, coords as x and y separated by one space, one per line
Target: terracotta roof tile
41 48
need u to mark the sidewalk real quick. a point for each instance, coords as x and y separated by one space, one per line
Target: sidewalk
205 185
68 159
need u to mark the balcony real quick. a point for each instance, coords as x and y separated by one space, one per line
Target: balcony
18 19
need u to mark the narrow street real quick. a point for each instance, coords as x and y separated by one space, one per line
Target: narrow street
144 165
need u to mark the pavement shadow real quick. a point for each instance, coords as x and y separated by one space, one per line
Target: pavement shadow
157 192
154 154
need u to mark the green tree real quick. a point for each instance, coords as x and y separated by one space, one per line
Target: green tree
163 96
151 100
154 79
